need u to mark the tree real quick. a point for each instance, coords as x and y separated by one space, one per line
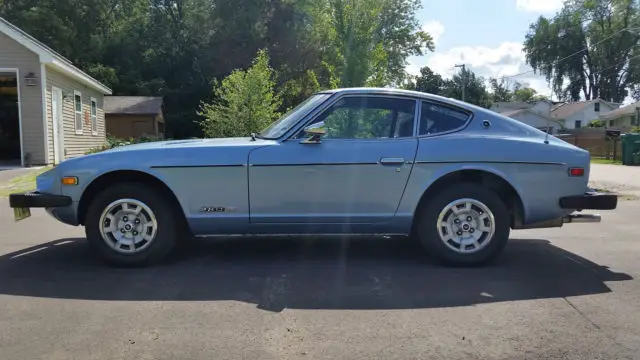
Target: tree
176 48
526 94
428 82
594 44
501 90
475 90
246 102
368 42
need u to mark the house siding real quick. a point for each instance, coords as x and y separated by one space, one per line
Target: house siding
14 55
623 122
587 115
74 144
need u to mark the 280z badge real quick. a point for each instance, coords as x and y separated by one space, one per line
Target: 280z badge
215 209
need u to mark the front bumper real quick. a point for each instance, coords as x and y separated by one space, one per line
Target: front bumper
38 200
590 201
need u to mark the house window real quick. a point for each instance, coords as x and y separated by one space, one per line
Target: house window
78 109
610 123
578 124
94 117
596 107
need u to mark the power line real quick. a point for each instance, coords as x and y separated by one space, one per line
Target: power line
574 54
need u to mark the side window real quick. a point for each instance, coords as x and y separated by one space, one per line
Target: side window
435 119
368 117
77 100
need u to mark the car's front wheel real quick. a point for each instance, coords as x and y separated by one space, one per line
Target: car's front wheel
132 224
466 224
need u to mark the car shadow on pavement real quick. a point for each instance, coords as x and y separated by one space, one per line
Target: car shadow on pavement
334 273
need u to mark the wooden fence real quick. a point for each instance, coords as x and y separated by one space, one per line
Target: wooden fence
595 141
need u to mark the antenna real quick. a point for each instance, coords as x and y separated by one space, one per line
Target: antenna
546 137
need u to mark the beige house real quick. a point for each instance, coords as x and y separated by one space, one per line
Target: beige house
134 116
49 109
624 118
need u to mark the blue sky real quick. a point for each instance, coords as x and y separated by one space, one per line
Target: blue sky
486 35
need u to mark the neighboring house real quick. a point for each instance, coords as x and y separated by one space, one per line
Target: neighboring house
623 118
59 107
534 114
576 115
542 107
134 116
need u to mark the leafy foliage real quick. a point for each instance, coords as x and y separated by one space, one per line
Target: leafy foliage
475 90
505 91
246 102
607 29
178 48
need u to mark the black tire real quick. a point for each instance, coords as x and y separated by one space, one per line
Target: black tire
428 233
168 231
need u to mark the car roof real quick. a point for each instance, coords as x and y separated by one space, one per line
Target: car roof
395 91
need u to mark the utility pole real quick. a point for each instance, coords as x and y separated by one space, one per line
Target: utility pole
464 80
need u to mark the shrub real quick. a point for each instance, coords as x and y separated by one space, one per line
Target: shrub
113 142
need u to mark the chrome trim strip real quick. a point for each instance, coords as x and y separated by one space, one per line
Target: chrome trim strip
316 164
490 162
195 166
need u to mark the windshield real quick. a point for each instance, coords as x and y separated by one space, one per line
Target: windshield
286 122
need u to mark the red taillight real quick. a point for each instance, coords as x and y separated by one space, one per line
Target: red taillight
576 172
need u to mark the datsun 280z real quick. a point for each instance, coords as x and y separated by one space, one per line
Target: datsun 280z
454 176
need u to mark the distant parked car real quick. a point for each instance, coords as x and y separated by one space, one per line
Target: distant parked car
351 161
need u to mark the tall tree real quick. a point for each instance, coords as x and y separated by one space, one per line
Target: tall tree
594 44
501 90
370 41
474 88
428 82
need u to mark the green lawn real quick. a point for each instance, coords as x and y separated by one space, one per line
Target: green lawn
21 183
605 161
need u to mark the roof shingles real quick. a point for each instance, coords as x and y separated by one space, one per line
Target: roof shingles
133 105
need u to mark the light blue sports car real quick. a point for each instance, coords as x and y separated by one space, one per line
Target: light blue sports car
454 176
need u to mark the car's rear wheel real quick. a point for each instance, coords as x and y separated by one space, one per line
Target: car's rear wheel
466 224
132 224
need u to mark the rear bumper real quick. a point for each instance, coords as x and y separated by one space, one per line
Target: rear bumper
38 200
590 201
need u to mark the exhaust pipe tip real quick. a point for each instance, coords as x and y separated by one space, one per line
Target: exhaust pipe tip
582 218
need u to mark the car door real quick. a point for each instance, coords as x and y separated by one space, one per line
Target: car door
356 173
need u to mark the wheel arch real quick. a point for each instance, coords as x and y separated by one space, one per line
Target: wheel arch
508 193
106 179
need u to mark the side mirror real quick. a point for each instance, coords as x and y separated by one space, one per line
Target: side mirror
316 132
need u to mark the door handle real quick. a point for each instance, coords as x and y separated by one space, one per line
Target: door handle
391 161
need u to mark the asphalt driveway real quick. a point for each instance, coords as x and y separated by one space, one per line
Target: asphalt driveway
569 293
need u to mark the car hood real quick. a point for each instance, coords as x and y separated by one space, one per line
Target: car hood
174 153
238 141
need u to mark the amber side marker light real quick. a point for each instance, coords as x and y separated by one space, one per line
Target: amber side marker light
577 172
69 180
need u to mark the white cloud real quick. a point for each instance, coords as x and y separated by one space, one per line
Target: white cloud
505 60
435 29
541 6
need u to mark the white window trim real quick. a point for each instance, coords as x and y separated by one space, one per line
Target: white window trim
94 118
75 113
